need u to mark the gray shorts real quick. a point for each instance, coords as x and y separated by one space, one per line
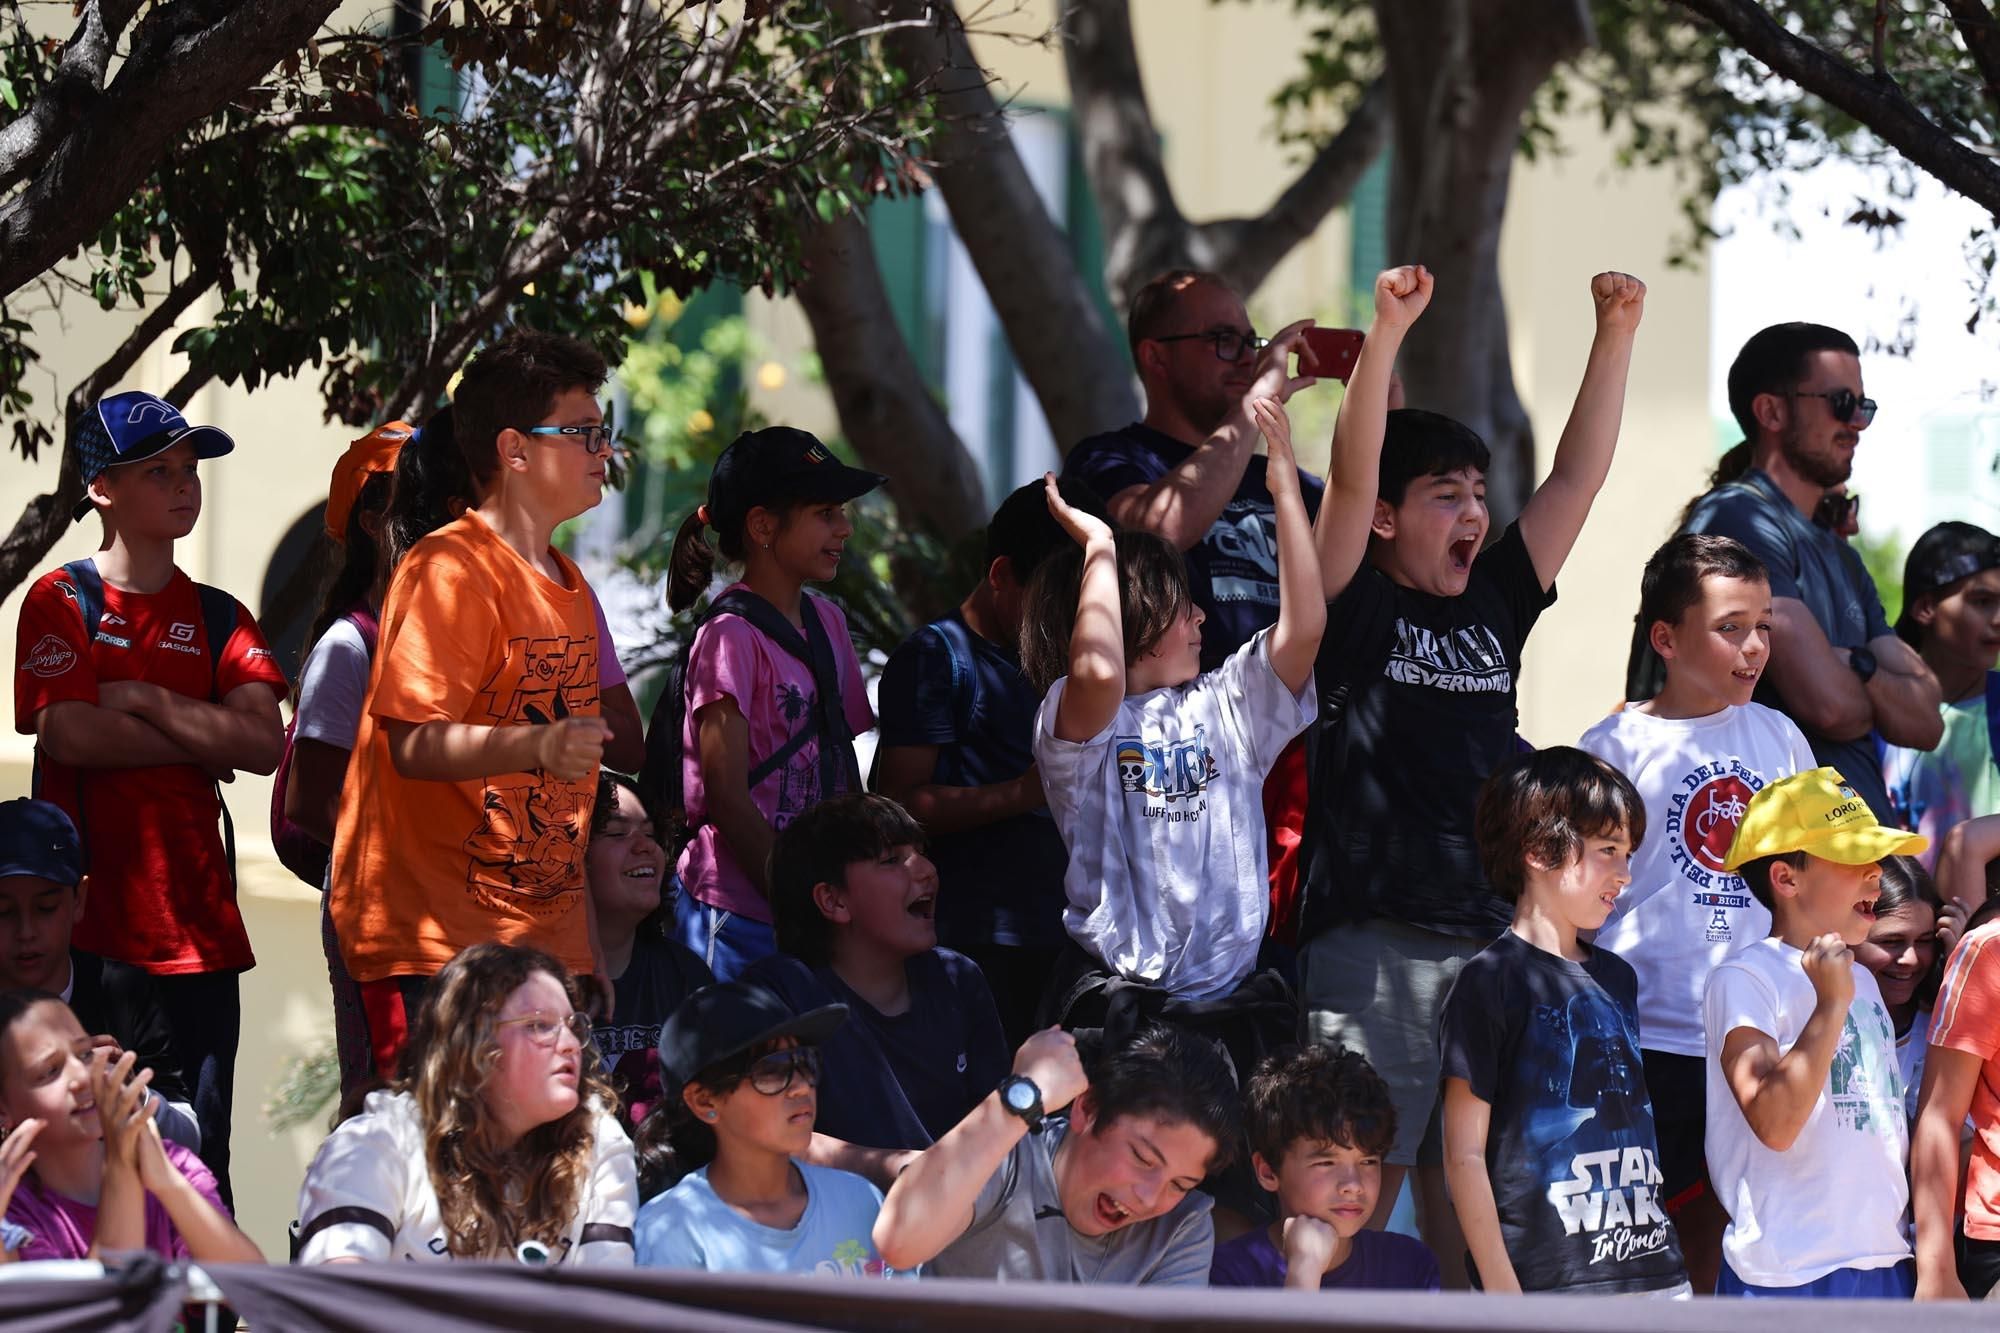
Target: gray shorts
1378 988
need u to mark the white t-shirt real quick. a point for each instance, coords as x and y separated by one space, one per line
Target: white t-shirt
1683 913
1163 815
367 1194
334 687
1910 1050
1836 1197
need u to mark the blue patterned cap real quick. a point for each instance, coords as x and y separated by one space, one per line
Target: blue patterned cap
132 426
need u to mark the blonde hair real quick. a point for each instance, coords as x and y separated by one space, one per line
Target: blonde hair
491 1199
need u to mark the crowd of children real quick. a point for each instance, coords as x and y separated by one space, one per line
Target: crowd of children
1673 1011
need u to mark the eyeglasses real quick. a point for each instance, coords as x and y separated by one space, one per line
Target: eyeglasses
1847 406
1229 344
594 439
774 1073
545 1029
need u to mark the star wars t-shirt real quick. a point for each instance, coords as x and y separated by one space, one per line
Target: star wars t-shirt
1553 1047
1233 569
1683 913
1835 1198
1416 707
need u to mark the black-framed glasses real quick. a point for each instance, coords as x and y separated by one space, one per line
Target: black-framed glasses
545 1029
600 439
773 1073
1847 406
1229 344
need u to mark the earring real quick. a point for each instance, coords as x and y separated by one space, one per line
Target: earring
708 1115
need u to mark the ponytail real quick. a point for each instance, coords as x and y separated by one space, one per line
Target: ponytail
1733 464
672 1143
690 566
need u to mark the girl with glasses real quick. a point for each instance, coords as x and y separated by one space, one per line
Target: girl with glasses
740 1076
500 1141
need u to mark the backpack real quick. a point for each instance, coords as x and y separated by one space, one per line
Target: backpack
218 622
660 785
956 636
299 851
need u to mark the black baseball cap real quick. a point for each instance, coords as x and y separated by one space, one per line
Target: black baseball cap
1945 554
731 1017
779 465
133 426
37 839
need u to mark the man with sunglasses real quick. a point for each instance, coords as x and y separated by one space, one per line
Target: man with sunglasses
1187 471
1835 667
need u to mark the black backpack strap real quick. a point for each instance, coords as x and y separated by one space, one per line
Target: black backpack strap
89 585
838 768
218 622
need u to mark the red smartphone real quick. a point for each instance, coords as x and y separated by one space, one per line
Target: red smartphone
1335 351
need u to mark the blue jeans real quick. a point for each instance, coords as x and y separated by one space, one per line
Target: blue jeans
728 943
1898 1282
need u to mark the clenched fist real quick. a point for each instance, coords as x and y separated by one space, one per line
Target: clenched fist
1049 1061
1401 294
1829 965
1620 299
572 748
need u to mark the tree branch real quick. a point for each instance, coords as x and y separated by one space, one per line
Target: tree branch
117 136
886 411
1981 34
1881 107
1245 250
27 140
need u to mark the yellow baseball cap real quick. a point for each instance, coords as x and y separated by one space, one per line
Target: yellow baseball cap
1818 813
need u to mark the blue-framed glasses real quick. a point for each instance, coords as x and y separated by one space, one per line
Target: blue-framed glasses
598 439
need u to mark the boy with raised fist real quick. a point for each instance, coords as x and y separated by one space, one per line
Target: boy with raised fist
1807 1141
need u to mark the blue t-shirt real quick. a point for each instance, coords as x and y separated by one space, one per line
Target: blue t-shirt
901 1081
1380 1260
1233 569
689 1227
950 687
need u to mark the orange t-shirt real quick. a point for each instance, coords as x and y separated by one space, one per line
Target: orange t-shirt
1967 1018
471 633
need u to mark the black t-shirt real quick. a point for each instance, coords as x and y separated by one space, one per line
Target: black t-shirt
662 973
901 1081
1233 569
1553 1047
949 687
1417 707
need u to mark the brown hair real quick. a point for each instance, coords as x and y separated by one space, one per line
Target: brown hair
512 385
492 1199
1542 807
1152 591
1319 1094
1672 580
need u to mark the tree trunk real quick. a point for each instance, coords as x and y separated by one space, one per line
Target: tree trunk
1457 125
886 412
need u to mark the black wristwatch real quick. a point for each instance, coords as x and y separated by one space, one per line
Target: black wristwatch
1863 663
1022 1098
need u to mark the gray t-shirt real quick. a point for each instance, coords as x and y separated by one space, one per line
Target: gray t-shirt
1812 565
1019 1233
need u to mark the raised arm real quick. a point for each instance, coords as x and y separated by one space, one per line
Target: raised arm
1554 515
1184 503
933 1200
1961 864
1353 478
1096 683
1777 1093
1301 606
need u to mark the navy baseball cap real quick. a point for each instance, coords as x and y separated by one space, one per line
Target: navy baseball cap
730 1018
779 465
36 838
132 426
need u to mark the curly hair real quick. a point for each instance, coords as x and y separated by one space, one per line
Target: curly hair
1317 1094
491 1199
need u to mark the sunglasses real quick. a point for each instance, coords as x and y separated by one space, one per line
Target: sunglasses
773 1073
1836 510
1847 406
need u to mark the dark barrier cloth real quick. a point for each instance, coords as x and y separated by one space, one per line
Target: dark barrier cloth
459 1298
143 1295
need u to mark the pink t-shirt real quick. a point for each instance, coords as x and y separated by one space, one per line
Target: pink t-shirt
774 692
62 1228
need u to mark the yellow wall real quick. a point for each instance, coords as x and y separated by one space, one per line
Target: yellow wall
1568 218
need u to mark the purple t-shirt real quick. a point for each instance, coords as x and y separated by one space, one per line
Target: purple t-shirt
1381 1260
774 691
62 1228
